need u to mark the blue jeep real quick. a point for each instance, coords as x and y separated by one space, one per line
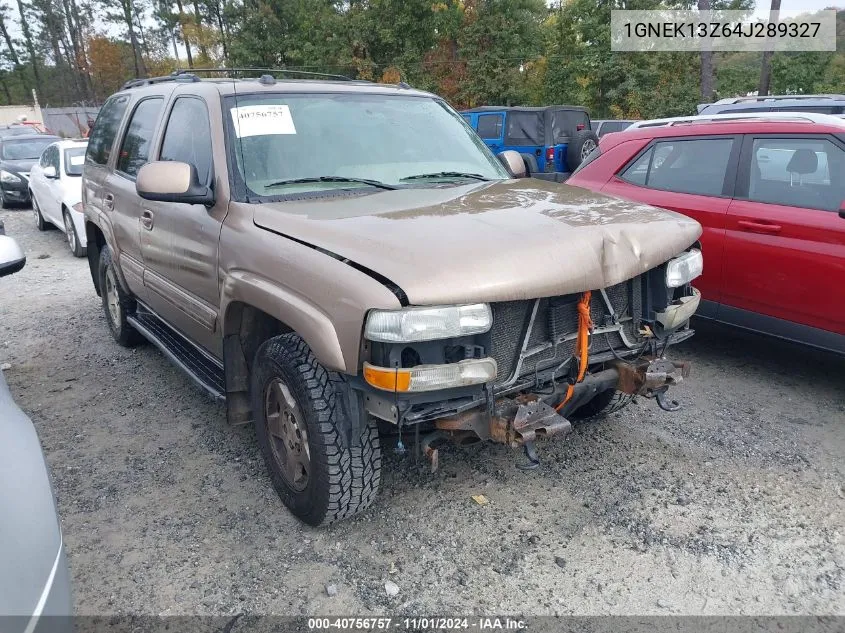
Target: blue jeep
553 140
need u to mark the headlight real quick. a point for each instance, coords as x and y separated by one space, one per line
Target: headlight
9 178
432 377
427 324
684 268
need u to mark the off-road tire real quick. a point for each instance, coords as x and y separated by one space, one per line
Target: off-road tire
345 465
75 248
120 329
40 222
530 163
575 149
603 404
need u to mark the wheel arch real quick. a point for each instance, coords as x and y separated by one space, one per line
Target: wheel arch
255 312
95 242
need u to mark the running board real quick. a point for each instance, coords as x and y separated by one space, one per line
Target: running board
206 371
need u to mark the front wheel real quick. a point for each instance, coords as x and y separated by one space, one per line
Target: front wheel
322 468
40 223
604 403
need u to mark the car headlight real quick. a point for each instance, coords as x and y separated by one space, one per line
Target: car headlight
474 371
8 177
427 324
684 268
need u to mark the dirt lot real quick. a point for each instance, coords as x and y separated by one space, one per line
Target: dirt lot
734 505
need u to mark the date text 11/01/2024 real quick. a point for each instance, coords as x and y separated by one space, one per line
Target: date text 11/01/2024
417 624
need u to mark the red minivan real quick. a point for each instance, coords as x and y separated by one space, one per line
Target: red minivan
768 190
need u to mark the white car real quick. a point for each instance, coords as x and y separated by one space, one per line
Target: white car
55 185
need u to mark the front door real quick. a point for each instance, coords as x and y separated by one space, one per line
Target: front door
179 241
784 240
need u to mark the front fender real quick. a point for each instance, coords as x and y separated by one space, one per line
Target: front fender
292 309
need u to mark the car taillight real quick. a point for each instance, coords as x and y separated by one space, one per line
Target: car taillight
580 127
550 154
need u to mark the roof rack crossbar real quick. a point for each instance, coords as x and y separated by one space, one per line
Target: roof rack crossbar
301 73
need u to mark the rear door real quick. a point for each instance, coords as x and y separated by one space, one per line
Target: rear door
119 188
784 239
491 129
694 176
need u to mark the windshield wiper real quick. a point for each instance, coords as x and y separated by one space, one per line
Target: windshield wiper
446 174
364 181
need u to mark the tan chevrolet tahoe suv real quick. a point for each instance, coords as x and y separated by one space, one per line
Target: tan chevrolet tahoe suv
338 258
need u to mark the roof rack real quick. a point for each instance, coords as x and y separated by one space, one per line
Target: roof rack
759 98
149 81
190 75
267 71
805 117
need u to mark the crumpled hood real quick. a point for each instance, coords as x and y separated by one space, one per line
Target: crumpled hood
496 241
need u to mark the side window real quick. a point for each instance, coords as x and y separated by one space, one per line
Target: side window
53 158
45 158
135 148
797 172
105 128
187 138
490 126
696 166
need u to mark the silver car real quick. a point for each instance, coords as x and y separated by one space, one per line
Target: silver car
34 578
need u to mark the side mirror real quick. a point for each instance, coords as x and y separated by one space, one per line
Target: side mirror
514 163
172 181
50 172
12 257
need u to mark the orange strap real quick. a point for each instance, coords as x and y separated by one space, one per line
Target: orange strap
582 344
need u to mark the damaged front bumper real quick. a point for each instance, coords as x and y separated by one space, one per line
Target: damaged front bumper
518 421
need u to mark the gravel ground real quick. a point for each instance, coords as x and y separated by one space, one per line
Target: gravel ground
734 505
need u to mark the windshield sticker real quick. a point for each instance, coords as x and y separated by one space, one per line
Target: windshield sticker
77 160
262 120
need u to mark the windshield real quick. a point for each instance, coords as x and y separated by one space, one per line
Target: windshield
21 130
74 160
393 141
25 149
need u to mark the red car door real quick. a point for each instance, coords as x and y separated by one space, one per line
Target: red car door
693 176
784 253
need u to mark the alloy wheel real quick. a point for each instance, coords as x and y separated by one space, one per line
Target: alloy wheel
288 434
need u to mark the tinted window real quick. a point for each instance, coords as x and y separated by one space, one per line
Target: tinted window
566 122
74 161
797 172
23 148
187 138
525 128
613 126
814 109
490 126
687 166
102 136
135 149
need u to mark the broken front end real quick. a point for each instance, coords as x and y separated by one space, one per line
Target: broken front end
512 371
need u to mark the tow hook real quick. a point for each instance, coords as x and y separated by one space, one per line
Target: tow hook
664 402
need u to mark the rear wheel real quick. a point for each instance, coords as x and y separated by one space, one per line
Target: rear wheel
321 468
603 404
530 163
72 237
40 223
117 304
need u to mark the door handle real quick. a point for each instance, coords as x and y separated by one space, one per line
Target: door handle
759 227
147 219
108 202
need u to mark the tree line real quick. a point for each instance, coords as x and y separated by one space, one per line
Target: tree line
472 52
